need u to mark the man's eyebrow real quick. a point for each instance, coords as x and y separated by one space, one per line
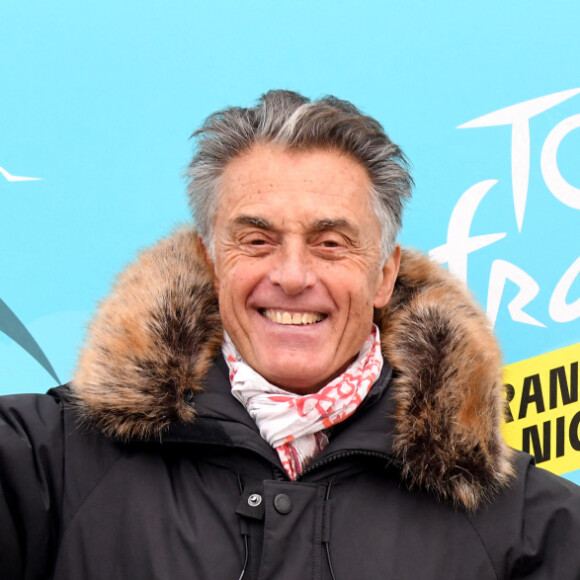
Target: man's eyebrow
255 221
323 224
319 225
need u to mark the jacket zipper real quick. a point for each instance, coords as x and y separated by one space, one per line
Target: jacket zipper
341 455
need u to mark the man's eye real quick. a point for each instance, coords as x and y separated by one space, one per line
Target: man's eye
255 241
331 242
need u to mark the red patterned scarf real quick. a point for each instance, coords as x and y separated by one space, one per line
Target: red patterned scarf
294 424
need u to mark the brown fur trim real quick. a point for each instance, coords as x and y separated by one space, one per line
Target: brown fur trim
448 387
153 340
143 357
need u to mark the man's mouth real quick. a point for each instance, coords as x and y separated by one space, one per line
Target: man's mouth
294 318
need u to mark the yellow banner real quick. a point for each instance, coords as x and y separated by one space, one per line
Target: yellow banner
544 410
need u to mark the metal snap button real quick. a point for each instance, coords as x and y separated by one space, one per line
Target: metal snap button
283 503
254 500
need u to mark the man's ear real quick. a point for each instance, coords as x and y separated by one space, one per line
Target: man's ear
390 271
205 255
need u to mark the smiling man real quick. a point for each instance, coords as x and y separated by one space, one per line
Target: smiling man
298 265
282 393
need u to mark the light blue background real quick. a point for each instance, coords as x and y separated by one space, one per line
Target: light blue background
99 101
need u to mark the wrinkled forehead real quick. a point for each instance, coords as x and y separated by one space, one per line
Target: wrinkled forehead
326 184
269 155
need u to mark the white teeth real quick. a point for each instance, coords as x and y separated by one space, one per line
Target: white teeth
295 318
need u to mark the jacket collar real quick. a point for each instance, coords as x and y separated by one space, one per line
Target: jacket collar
222 420
153 342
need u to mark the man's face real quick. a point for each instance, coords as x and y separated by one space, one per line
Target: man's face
297 263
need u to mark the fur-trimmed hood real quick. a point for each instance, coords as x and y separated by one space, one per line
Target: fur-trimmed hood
153 341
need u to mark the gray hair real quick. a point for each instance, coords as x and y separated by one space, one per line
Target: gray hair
293 121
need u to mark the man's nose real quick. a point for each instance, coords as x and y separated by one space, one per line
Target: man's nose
293 270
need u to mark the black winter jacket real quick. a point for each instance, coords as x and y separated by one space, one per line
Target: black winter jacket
146 467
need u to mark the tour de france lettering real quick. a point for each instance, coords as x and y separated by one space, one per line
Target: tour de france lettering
460 244
543 409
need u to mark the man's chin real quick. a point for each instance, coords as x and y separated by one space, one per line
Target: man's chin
297 376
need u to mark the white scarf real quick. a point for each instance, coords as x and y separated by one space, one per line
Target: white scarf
293 424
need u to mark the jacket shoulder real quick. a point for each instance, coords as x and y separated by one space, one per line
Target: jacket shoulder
49 462
31 417
532 529
31 460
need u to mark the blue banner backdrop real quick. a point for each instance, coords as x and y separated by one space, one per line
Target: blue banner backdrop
97 103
